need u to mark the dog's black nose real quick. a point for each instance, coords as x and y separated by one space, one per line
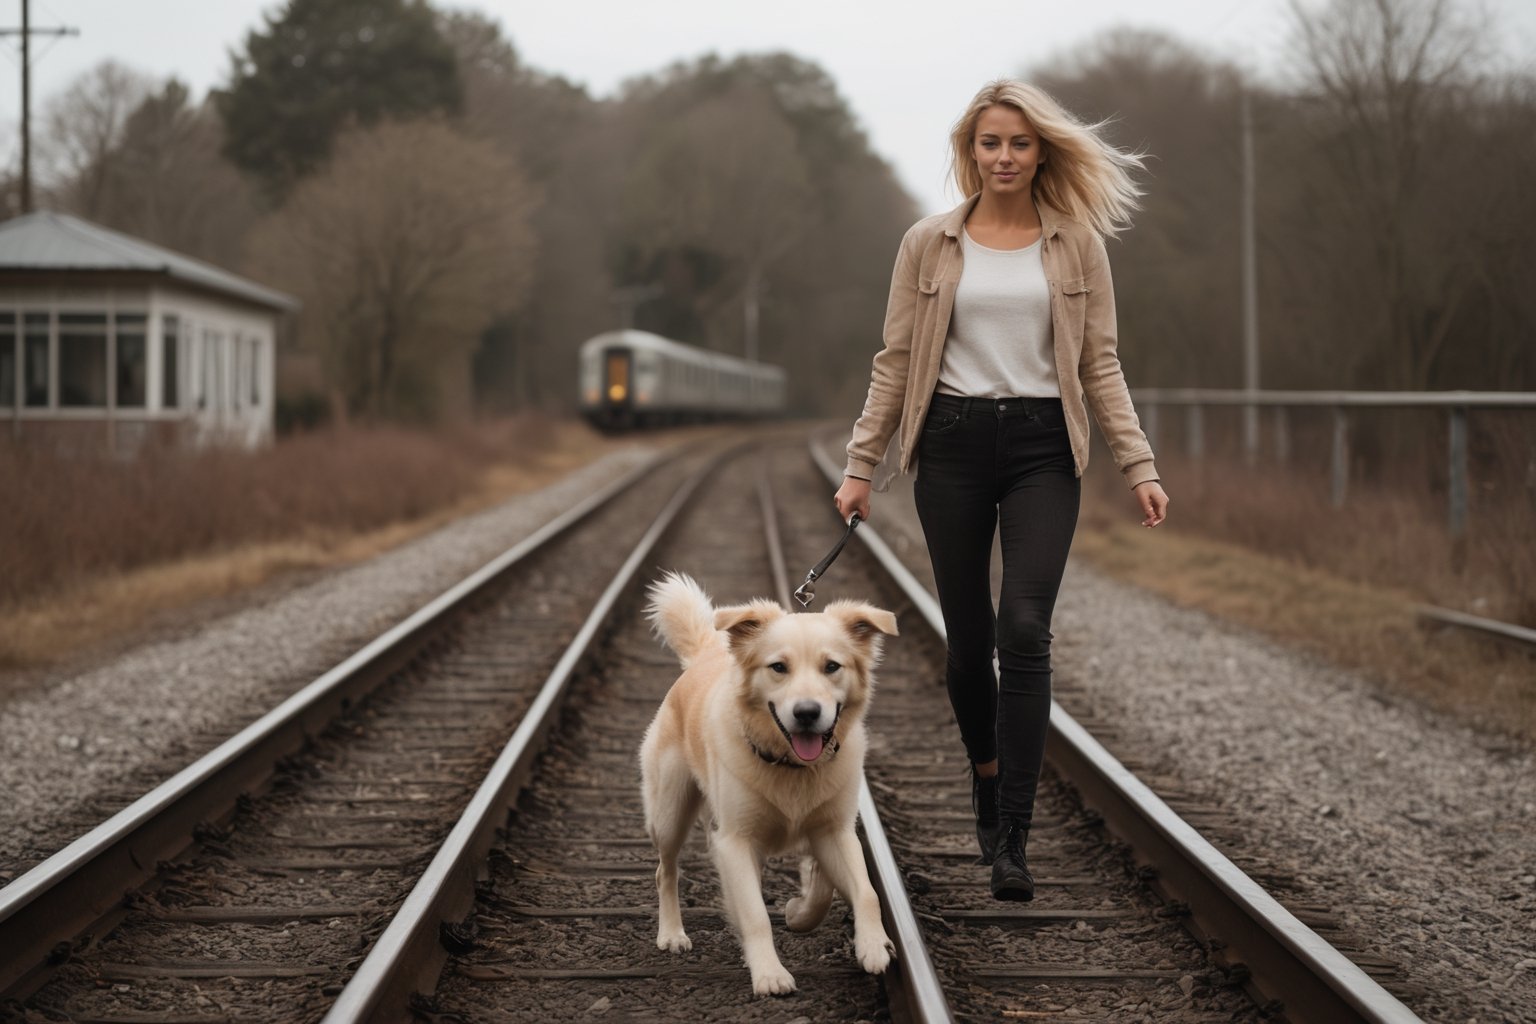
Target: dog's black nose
807 711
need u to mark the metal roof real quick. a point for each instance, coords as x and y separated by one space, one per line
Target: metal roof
45 241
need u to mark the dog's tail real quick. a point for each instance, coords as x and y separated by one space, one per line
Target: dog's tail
681 613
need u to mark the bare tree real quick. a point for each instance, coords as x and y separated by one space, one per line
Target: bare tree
639 200
409 244
1159 95
563 140
696 222
1385 77
170 184
166 181
82 128
748 199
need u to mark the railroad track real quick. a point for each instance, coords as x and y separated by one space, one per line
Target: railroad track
1247 939
405 730
551 914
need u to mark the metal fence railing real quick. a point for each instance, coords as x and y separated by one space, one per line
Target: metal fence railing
1151 401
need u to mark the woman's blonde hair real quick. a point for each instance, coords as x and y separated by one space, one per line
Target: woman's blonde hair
1082 175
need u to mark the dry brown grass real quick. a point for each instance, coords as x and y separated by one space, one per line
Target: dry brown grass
103 546
1263 548
1393 527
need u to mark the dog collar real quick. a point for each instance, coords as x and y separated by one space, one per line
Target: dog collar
783 760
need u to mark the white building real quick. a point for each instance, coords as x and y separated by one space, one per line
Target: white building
108 339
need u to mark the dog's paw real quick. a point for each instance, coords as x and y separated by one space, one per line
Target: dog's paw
775 981
874 952
674 942
800 916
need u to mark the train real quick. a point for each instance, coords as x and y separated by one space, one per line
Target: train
633 378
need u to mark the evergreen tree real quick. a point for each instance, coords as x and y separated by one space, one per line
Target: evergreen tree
323 66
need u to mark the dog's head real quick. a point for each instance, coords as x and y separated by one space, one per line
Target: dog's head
803 673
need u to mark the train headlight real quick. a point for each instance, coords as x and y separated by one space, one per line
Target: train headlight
616 392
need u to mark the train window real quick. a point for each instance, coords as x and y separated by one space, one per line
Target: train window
132 360
83 360
170 363
618 377
8 358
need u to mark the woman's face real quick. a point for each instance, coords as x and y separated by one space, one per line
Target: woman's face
1006 149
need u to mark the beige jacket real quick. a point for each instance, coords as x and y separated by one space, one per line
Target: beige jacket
923 286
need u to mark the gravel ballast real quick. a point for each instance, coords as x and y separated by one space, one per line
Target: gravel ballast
79 748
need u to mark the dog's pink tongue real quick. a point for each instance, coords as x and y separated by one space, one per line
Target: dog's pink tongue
807 747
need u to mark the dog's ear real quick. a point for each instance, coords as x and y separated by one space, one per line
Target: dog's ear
864 622
743 622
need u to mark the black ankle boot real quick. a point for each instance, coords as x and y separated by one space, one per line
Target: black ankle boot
1011 879
984 805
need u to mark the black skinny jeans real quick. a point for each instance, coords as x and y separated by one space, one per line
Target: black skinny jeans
984 465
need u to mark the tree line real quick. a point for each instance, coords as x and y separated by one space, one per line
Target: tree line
1392 212
457 222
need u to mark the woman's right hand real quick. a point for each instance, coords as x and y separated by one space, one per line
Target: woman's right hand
852 497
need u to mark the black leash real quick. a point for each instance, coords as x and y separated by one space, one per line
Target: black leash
807 593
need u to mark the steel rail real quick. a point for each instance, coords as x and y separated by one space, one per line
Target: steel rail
918 993
776 560
408 957
1503 630
82 886
1288 962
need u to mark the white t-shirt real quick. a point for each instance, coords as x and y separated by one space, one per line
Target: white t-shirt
1000 337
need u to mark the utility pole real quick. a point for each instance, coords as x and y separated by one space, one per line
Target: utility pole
1250 294
27 32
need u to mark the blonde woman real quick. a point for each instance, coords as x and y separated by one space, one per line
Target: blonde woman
999 338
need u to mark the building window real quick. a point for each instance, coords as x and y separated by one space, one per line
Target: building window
256 372
132 361
237 372
35 367
218 396
215 394
82 360
206 396
170 364
7 359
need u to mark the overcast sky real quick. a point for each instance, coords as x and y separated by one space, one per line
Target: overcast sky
906 68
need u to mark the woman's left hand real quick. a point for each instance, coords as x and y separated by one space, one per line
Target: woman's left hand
1153 502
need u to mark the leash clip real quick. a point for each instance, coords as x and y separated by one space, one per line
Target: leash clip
806 592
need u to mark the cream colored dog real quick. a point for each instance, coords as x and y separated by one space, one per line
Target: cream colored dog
766 725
